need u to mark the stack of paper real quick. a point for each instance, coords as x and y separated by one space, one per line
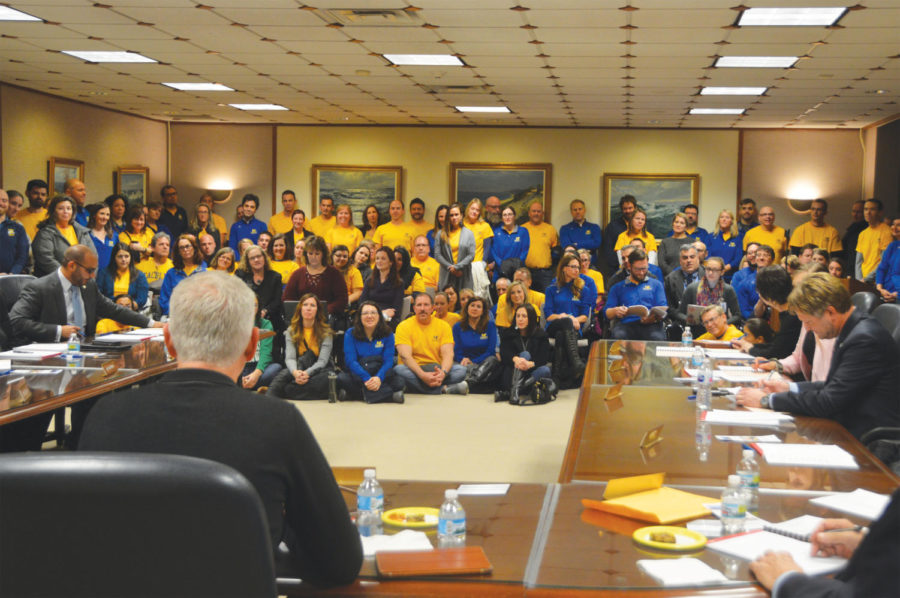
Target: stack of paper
17 355
736 368
145 332
681 352
743 377
727 417
725 354
681 572
752 545
807 455
860 503
408 539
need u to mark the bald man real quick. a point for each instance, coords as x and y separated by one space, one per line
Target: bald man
78 192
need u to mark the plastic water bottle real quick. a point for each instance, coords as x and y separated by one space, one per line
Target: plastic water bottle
704 385
73 356
748 471
697 357
687 339
734 510
702 439
369 505
74 344
451 522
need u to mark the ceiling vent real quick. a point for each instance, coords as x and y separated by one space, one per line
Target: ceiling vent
371 17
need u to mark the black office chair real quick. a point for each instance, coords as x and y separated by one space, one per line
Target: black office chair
889 316
864 301
122 525
10 287
884 442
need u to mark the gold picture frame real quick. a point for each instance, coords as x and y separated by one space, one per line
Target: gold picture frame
133 182
660 195
357 186
59 170
516 184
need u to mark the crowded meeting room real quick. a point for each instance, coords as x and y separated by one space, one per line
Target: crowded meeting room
276 278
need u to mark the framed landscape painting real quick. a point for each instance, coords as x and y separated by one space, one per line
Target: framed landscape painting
660 195
59 170
132 182
517 185
357 186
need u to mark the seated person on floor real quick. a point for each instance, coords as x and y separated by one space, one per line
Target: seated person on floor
308 345
369 355
524 354
475 346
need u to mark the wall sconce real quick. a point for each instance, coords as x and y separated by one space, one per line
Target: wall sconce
220 195
800 197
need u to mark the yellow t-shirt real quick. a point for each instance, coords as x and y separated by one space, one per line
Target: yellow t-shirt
320 226
482 230
120 285
310 343
154 271
188 270
453 240
597 278
340 235
391 235
417 229
543 238
30 220
505 319
144 239
221 226
871 244
353 280
69 234
285 268
430 270
648 239
426 340
279 224
451 318
105 326
825 237
774 239
417 285
731 333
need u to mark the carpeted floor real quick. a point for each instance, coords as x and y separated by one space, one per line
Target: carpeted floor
446 437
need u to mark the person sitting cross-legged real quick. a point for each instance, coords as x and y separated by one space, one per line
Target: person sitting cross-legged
524 354
369 355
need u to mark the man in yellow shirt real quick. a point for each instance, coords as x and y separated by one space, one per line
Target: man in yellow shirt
767 233
873 240
824 236
543 239
717 327
417 223
396 232
159 263
281 222
36 192
325 221
428 267
425 347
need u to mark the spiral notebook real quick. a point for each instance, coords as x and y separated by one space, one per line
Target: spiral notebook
749 546
799 528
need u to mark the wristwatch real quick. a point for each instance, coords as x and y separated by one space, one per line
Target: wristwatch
766 401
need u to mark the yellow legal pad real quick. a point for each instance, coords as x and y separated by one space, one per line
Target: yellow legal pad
645 498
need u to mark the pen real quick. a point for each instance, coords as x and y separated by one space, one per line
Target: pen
855 528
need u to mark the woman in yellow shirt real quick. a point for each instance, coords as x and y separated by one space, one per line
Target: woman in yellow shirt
442 309
584 259
202 224
137 236
484 235
56 233
371 221
516 295
105 326
279 259
340 259
343 232
121 277
308 344
637 228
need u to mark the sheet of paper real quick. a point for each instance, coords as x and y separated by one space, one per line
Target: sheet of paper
119 337
727 417
5 364
408 539
144 332
41 348
808 455
725 354
735 368
748 439
694 372
28 355
681 352
751 545
861 503
681 572
482 489
744 377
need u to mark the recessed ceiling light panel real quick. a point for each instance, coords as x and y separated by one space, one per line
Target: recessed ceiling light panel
733 91
494 109
11 14
717 111
198 86
108 56
762 62
791 17
258 106
424 59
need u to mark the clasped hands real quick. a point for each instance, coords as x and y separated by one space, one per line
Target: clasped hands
520 363
301 377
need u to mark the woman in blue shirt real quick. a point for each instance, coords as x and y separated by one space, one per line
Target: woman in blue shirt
511 241
101 233
887 277
369 355
567 306
187 262
475 345
727 244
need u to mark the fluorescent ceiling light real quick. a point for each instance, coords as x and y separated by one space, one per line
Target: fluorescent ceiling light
763 62
198 86
733 91
108 56
258 106
791 17
424 59
11 14
482 109
717 111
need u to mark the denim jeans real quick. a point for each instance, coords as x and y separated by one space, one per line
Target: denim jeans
414 384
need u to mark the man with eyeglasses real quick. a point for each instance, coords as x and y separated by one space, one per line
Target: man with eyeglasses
717 327
637 290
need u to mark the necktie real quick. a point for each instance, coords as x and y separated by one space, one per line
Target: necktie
77 308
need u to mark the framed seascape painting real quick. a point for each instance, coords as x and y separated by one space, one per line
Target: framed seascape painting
357 186
132 182
59 170
517 185
660 195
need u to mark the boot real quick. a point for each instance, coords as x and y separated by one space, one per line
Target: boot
570 346
515 386
501 396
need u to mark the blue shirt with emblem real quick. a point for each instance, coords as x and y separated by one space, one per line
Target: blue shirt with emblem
508 245
586 235
745 287
245 230
475 345
561 300
649 293
355 350
14 246
731 251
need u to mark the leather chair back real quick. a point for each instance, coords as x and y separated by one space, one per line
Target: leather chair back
864 301
889 316
119 525
10 287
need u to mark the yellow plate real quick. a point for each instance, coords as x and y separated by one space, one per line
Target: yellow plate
398 517
685 539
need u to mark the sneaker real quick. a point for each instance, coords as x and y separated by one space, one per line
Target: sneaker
397 397
460 388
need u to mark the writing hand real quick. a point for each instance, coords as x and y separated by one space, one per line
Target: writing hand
842 544
775 385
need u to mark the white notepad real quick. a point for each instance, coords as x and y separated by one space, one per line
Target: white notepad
800 528
728 354
860 503
727 417
752 545
808 455
681 572
680 352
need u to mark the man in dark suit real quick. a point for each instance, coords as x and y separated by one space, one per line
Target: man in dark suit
680 279
860 391
51 309
199 411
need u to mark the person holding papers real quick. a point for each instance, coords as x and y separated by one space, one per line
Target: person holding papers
637 290
872 571
860 391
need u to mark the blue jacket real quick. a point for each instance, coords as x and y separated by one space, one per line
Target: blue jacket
245 230
355 349
137 286
561 301
586 235
746 292
649 293
170 281
14 245
509 245
477 346
731 251
104 250
888 272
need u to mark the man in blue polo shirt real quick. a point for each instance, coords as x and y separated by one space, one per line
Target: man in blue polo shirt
248 227
14 242
580 233
637 289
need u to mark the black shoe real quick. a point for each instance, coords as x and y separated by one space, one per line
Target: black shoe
398 397
342 395
501 396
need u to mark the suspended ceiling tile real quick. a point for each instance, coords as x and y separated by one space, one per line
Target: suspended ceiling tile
581 35
676 36
557 18
682 19
265 15
602 49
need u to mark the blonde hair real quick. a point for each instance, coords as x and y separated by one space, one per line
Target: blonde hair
347 207
472 202
320 328
509 304
816 292
733 230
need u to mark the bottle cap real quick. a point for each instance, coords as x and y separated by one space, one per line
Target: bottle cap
734 480
369 473
450 493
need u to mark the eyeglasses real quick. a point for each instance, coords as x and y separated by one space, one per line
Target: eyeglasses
86 269
573 265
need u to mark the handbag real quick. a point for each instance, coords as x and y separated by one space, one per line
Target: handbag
542 391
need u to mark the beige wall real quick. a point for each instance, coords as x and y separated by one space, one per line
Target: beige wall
830 161
579 158
35 127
